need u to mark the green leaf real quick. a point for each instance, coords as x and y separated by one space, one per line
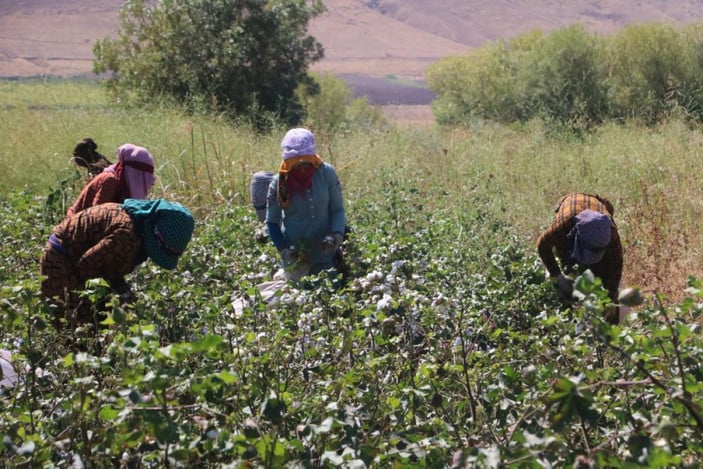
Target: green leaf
108 413
206 343
273 410
227 377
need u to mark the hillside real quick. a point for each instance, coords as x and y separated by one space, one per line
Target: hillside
365 41
367 37
475 22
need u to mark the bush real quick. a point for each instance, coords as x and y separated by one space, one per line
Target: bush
564 79
237 57
574 79
330 106
653 70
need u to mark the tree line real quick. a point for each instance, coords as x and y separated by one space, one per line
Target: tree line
646 72
250 59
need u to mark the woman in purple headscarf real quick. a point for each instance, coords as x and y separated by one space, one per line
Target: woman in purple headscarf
305 210
130 178
584 236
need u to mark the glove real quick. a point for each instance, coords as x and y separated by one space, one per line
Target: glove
289 256
332 242
565 284
261 234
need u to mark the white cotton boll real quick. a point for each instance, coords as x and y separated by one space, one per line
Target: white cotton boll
438 300
396 266
261 337
384 303
238 306
374 276
9 377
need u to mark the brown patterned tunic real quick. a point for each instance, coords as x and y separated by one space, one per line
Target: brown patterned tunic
555 238
97 242
101 189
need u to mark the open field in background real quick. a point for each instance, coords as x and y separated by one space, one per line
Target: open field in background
360 37
516 174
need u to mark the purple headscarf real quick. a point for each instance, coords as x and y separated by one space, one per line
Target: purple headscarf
591 236
135 170
298 142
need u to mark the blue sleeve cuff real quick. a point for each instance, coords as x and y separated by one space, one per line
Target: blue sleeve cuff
277 237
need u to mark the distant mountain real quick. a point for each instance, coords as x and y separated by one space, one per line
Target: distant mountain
372 38
401 37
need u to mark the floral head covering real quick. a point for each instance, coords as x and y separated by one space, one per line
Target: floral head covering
298 142
590 236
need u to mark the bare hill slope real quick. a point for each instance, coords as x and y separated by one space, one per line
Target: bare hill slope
474 22
361 37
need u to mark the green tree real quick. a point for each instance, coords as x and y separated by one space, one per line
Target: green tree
564 79
482 84
237 57
327 104
331 107
655 69
479 84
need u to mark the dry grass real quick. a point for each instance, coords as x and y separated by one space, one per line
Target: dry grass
409 116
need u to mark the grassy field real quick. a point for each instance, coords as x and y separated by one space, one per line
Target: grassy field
650 174
448 347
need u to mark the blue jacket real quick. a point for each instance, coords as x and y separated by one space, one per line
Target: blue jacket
310 216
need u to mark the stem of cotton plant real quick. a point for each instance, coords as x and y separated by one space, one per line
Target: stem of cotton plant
684 400
465 368
677 346
207 166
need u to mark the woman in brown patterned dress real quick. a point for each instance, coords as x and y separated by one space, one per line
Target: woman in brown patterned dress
109 241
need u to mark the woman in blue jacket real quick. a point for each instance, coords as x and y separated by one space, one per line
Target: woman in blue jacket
305 210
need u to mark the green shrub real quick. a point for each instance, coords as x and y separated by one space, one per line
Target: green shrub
653 70
574 79
564 79
235 57
331 108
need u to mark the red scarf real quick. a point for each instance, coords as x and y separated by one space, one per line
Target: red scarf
294 178
300 178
